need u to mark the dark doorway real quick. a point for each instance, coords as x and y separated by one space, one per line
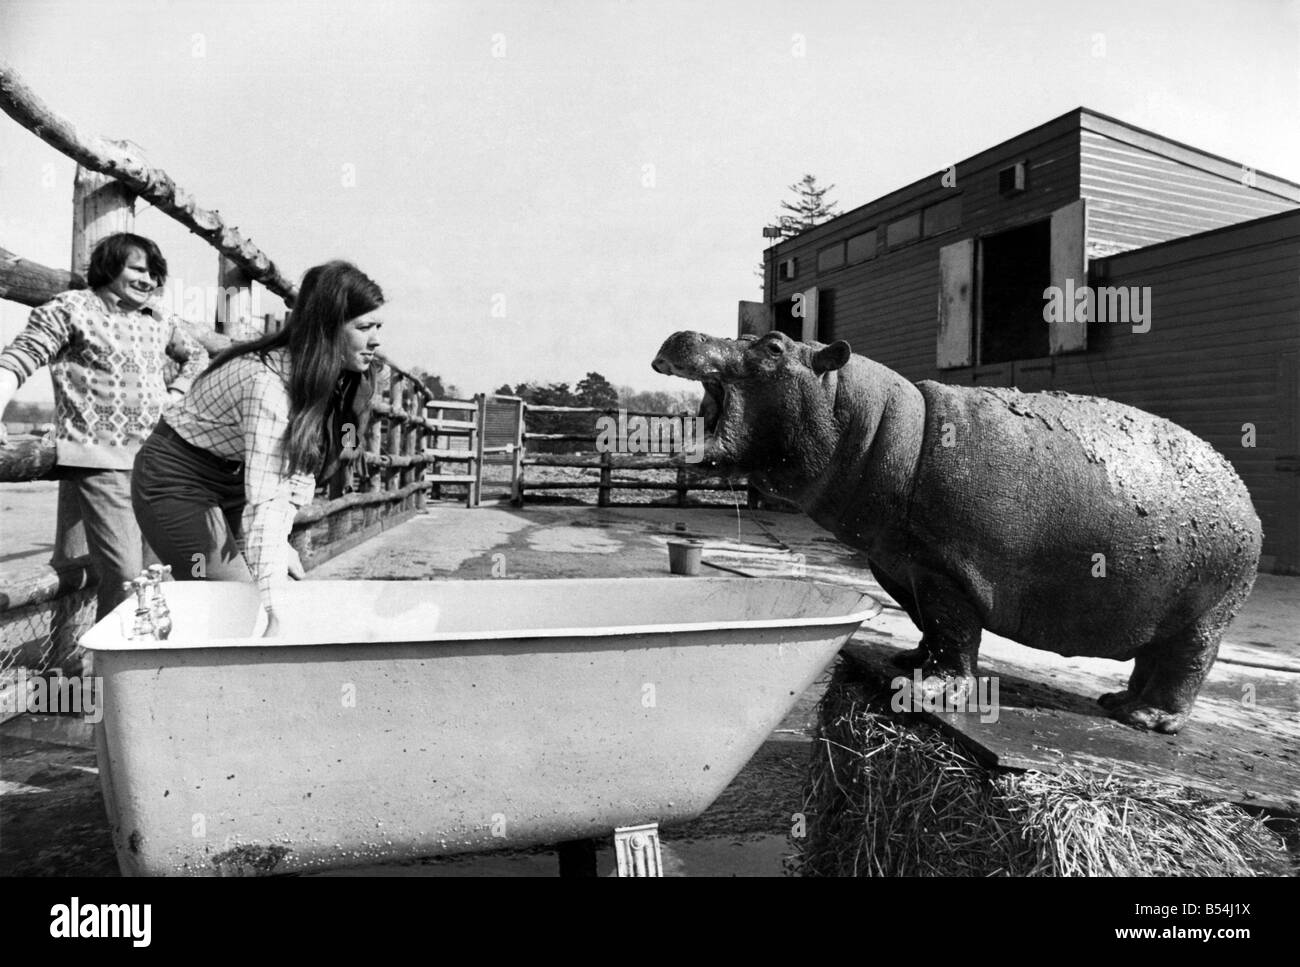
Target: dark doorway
1016 267
784 320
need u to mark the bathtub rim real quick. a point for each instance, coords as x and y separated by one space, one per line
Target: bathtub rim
99 638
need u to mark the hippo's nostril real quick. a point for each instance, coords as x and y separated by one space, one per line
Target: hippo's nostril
660 366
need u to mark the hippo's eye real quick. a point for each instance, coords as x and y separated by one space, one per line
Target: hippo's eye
775 348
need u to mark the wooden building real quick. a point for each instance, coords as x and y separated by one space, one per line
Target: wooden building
1190 265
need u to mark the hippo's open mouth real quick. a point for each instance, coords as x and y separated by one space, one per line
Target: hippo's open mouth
713 404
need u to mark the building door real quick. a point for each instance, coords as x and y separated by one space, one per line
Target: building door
956 299
755 318
1069 273
797 316
1016 267
992 298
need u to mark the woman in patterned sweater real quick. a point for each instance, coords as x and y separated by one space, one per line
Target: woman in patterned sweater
106 349
217 485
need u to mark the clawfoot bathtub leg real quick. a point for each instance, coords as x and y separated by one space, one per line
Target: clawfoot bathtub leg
637 849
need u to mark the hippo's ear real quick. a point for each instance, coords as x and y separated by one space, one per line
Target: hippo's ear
831 357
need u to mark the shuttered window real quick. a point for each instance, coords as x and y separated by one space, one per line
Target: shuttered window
831 257
904 230
943 217
862 247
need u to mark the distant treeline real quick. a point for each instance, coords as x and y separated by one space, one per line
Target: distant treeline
592 390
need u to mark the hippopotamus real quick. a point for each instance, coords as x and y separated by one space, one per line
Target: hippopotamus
1068 523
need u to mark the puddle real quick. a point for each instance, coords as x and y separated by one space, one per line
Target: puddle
573 540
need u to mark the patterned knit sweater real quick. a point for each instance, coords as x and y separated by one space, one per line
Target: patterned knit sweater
108 372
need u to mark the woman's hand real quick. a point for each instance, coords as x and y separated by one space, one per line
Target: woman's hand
272 626
295 565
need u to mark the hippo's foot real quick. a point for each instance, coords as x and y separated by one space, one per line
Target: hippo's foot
933 667
927 691
1167 675
949 690
1142 715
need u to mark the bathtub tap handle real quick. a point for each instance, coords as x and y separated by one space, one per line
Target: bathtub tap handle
162 615
143 628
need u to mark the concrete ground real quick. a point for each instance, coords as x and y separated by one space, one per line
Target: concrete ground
500 541
51 813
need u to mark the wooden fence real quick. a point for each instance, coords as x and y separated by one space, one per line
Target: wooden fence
605 463
44 608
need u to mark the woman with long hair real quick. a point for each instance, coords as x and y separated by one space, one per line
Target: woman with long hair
218 484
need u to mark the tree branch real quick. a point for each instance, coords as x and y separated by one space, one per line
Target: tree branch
152 184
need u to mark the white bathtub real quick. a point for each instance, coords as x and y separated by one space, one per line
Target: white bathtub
398 719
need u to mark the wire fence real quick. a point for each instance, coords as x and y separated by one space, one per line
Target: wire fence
44 635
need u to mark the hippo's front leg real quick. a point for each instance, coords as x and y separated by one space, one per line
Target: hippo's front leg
950 631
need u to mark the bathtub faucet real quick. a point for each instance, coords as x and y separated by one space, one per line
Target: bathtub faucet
162 615
143 628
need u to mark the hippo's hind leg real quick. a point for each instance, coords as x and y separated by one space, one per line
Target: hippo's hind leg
1142 667
1168 674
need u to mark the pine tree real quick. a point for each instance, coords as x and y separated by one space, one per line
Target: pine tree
809 208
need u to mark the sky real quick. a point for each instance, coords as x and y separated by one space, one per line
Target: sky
544 189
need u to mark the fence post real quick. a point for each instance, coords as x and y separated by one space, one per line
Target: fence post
480 418
606 473
235 303
414 435
101 206
439 442
374 440
404 441
517 471
395 388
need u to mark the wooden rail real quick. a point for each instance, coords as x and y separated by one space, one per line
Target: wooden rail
121 160
605 463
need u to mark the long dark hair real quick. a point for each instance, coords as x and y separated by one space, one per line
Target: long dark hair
323 397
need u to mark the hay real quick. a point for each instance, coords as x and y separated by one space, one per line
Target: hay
891 796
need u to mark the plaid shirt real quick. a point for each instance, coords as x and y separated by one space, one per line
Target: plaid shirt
108 370
241 412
